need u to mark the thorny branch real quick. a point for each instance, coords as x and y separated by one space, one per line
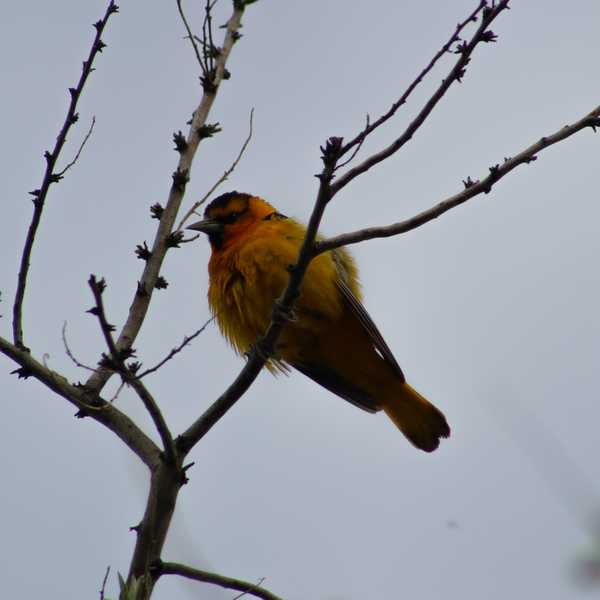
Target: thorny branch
256 590
50 177
187 150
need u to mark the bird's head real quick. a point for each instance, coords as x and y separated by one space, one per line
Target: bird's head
231 216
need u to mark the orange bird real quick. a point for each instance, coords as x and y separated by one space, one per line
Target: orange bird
332 338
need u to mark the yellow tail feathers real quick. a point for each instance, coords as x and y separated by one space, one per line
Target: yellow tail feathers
419 420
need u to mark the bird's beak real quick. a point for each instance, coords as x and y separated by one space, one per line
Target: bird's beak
208 226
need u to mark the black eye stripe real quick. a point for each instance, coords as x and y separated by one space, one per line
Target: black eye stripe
230 218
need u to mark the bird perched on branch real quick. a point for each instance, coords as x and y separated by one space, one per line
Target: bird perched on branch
331 337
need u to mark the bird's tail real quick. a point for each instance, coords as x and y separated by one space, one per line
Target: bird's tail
419 420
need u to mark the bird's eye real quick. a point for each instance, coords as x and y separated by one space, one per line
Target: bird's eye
231 217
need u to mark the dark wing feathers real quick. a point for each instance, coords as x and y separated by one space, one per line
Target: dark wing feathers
333 381
338 385
370 328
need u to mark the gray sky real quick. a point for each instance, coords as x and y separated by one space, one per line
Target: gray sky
492 310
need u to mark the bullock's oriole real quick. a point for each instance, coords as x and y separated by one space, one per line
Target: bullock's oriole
331 339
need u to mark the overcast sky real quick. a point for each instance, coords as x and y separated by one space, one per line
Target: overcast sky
492 310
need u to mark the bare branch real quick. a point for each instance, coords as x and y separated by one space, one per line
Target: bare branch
50 177
87 401
254 589
472 188
81 147
223 177
186 340
116 361
146 285
156 415
465 50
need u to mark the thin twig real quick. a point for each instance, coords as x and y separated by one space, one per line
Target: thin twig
104 583
359 139
191 36
50 177
69 353
209 56
116 361
256 585
472 188
482 35
146 286
223 177
186 340
82 145
170 568
116 394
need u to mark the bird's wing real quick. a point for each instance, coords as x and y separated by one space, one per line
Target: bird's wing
360 312
338 385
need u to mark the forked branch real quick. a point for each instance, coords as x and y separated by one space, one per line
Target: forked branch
472 189
115 361
88 403
464 50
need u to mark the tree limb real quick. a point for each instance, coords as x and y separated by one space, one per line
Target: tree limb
88 402
471 190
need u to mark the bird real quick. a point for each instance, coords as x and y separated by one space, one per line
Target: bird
330 337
